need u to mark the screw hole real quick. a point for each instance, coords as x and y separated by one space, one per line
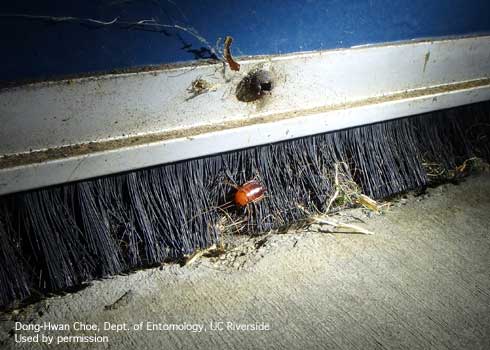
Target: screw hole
254 85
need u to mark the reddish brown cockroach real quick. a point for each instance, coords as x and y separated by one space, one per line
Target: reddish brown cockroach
250 192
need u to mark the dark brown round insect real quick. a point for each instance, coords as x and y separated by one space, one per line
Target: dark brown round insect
250 192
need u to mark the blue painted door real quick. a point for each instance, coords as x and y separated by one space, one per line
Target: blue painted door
39 48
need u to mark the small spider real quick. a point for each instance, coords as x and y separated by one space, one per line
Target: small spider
200 86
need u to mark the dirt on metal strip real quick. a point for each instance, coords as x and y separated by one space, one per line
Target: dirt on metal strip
22 159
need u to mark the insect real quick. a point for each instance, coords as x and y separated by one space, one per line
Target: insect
199 87
250 192
227 54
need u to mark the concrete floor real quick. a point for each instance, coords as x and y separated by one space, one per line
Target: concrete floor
421 282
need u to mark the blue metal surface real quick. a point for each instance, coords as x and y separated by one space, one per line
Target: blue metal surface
35 49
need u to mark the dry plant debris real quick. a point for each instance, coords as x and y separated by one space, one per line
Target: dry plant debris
439 173
473 165
370 203
200 86
240 251
347 192
339 227
213 251
333 226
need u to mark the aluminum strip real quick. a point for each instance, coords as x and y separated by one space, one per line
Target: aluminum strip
63 131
